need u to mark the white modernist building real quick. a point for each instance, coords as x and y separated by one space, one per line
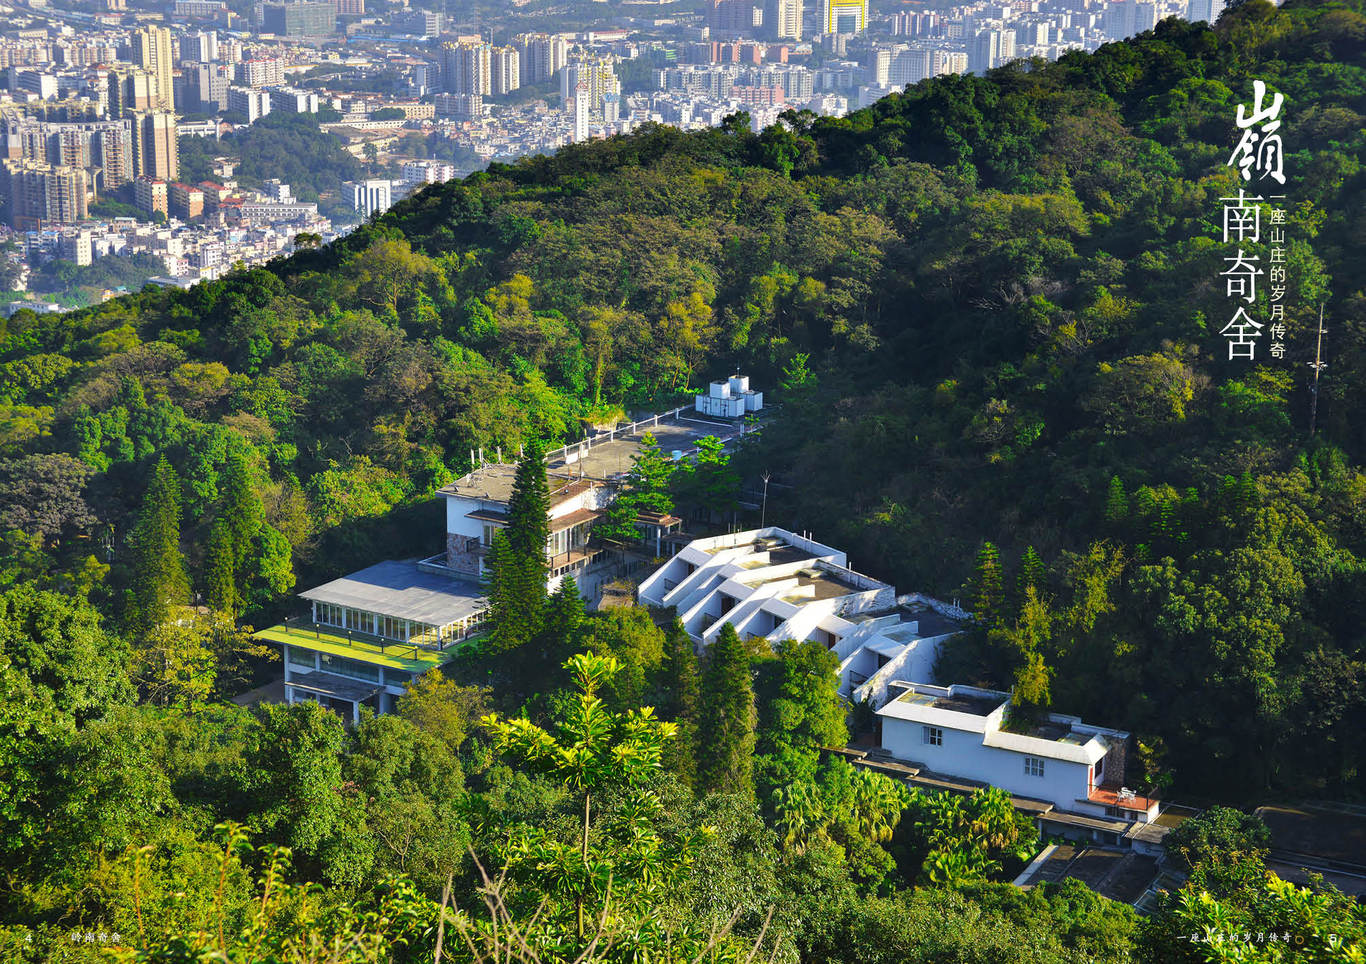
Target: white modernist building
369 634
776 585
584 478
964 732
731 398
477 507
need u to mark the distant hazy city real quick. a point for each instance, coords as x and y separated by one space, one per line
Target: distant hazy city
172 142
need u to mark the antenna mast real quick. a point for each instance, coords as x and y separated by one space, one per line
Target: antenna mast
1318 365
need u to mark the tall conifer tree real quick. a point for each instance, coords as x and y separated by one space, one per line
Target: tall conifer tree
528 526
517 558
1116 502
725 733
681 683
1032 572
220 570
986 593
239 509
159 579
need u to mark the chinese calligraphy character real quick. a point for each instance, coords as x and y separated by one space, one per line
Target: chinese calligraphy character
1242 277
1241 331
1260 143
1242 219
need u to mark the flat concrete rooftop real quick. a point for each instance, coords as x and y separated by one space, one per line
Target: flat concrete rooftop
401 590
493 483
958 703
598 459
823 584
605 458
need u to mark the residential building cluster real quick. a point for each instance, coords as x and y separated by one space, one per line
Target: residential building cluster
96 104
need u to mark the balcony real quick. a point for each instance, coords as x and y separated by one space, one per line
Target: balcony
416 656
1121 799
563 563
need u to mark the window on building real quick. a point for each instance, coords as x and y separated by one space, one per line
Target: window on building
489 530
360 621
1033 766
934 736
329 614
301 658
559 542
354 669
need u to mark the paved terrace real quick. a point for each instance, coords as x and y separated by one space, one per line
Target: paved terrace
609 454
606 455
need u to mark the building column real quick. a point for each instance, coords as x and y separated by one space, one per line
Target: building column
355 712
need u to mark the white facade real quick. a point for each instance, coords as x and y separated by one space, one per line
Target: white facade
844 17
957 731
774 584
250 102
581 112
371 197
476 509
300 662
599 75
729 399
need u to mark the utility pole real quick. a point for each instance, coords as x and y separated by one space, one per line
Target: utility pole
1318 365
763 506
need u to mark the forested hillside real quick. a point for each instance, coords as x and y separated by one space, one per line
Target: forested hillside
989 310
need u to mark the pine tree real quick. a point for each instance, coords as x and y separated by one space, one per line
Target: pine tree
726 719
510 627
564 616
986 591
159 579
1116 502
683 698
709 482
651 473
517 559
1247 494
1032 572
220 571
239 511
528 527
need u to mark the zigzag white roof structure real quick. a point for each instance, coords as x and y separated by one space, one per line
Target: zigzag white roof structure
776 584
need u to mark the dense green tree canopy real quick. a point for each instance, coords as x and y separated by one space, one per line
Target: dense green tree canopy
989 308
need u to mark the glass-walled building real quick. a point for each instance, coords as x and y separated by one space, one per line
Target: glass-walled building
370 634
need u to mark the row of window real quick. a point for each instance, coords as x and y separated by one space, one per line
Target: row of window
575 537
304 660
389 627
934 736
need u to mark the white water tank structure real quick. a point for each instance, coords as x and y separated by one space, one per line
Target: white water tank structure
731 398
